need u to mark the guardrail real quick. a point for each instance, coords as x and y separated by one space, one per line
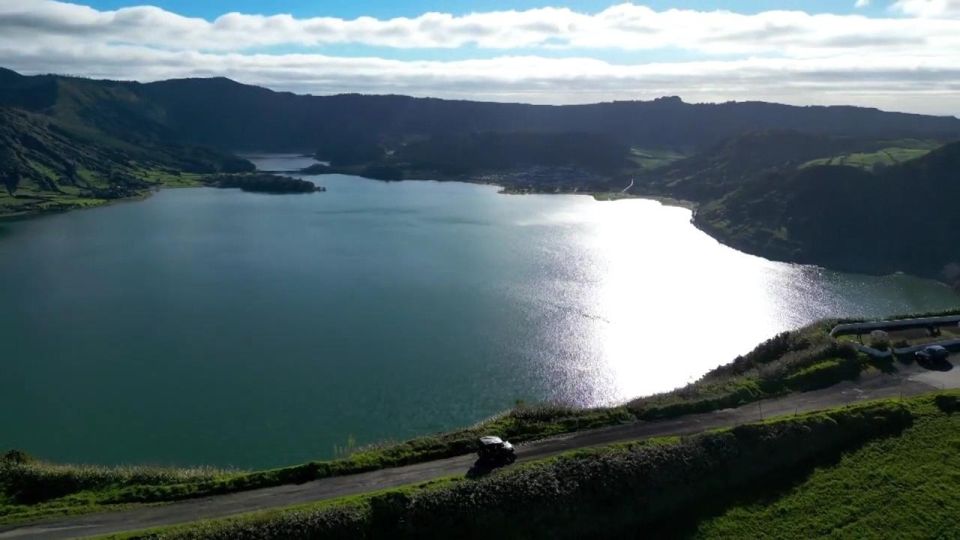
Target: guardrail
953 345
899 324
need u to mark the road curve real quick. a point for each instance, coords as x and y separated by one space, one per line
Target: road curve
910 381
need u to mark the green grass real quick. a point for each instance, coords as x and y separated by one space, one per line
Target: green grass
32 489
907 486
651 159
171 179
892 155
30 202
33 200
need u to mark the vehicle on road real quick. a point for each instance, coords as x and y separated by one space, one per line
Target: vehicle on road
933 353
495 451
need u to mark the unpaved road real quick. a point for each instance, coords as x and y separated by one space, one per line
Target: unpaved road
909 381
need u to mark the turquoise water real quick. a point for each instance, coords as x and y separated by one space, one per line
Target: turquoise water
205 326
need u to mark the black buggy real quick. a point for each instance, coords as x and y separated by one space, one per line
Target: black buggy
495 451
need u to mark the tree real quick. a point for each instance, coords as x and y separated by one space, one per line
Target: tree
951 273
9 169
70 172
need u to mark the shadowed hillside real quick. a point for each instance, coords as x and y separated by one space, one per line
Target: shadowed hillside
901 218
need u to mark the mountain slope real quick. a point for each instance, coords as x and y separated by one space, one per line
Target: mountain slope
231 116
902 218
726 165
67 143
222 113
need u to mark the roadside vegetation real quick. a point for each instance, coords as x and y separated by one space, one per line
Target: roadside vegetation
30 488
667 486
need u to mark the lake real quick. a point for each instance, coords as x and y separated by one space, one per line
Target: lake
206 326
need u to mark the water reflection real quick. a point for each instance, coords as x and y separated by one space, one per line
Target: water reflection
662 303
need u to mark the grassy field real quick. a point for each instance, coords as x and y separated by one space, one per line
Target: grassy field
651 159
663 487
898 152
30 200
908 484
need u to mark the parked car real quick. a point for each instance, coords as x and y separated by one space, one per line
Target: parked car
494 450
933 353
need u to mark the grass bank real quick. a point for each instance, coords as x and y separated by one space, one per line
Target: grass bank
615 490
909 484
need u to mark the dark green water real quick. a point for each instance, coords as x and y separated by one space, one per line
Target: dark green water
208 326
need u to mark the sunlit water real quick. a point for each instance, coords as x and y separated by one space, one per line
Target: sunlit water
229 328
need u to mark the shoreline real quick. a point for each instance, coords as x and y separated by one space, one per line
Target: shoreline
96 203
599 196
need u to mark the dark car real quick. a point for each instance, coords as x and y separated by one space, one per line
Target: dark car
933 353
494 450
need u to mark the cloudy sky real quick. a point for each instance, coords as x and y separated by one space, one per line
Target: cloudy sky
893 54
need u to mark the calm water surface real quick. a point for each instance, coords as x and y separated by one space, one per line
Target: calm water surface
206 326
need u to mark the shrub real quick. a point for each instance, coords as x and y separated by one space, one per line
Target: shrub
15 457
948 403
823 374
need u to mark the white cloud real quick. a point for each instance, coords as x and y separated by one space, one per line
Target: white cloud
862 3
901 83
929 8
791 56
622 26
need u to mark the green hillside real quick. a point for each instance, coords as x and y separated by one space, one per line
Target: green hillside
72 143
900 218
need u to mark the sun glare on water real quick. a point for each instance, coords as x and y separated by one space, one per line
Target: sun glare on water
656 315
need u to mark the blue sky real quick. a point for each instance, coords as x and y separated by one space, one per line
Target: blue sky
891 54
210 9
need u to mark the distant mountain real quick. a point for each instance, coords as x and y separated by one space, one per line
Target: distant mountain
749 164
901 218
228 115
225 114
